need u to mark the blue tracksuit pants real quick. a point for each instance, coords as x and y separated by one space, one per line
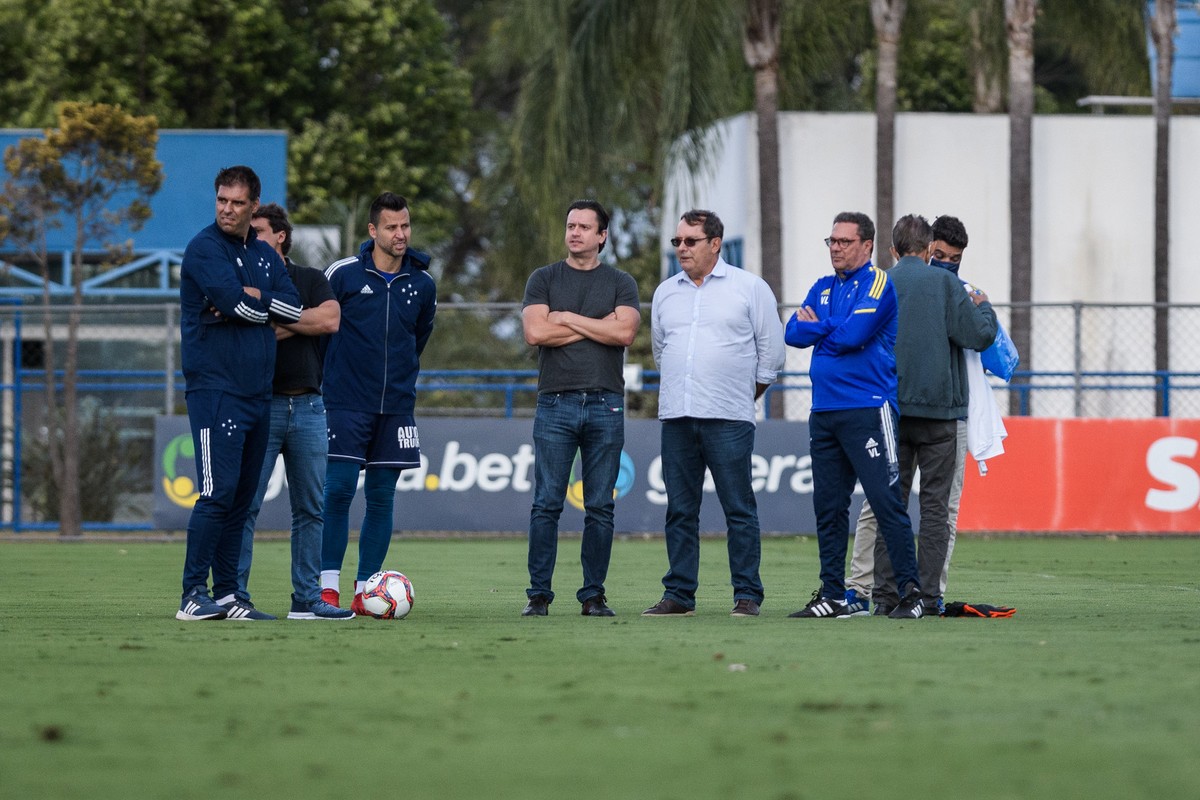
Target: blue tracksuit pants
858 444
230 435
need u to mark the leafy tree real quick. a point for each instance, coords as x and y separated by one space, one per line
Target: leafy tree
94 173
207 65
368 91
397 111
1084 47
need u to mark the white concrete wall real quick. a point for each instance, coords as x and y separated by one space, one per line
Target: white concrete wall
1093 211
1093 195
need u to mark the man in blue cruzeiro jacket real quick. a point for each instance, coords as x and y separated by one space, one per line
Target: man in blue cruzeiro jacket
388 303
232 286
849 319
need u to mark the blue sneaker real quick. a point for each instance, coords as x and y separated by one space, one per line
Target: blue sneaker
244 610
197 604
318 609
857 606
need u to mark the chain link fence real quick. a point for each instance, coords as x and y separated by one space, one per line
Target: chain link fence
1088 360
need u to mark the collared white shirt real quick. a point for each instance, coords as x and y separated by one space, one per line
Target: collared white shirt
713 342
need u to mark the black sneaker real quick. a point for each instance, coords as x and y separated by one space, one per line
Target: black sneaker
822 607
933 608
910 607
538 606
882 609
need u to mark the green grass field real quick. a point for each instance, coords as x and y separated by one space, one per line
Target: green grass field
1092 690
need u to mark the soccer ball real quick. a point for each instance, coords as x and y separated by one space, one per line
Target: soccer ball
388 595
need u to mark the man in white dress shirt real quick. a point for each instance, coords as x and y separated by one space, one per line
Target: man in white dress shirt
718 343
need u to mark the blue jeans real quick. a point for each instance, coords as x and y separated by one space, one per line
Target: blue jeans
724 447
591 423
298 433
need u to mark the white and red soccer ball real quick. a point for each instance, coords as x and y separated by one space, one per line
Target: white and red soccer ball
388 595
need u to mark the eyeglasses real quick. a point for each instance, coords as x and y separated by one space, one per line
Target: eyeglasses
689 241
830 242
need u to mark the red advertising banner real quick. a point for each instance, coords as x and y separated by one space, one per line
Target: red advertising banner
1096 475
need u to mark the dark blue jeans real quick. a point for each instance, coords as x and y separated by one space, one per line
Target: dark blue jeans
858 444
592 424
724 447
300 435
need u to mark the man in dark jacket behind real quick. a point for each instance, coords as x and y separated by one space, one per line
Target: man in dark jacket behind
231 287
937 319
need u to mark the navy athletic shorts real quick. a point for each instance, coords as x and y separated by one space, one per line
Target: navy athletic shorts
373 440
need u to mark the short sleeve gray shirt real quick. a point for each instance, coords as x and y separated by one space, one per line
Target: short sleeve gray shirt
594 293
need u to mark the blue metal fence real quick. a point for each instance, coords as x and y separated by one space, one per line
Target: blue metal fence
131 355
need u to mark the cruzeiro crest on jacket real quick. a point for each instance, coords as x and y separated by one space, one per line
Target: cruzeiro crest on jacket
264 264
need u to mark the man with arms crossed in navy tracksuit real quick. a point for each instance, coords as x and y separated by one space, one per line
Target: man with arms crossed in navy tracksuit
231 287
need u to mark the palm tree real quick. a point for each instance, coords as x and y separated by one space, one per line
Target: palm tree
1019 17
986 55
887 16
606 89
760 45
619 87
1163 26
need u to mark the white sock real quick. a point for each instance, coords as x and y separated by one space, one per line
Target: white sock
359 586
226 600
329 578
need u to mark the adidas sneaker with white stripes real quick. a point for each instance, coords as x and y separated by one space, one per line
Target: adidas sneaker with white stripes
822 607
245 610
197 605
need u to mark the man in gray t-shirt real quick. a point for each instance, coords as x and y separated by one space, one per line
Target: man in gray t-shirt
581 315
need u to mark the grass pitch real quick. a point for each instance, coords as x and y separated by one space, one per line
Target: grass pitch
1091 690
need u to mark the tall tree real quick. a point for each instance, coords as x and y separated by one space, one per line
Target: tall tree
1020 16
94 173
1163 26
615 93
760 45
887 16
987 79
